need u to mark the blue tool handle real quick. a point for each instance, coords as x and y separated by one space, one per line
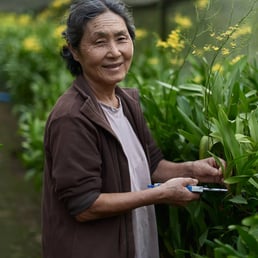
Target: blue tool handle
154 185
195 188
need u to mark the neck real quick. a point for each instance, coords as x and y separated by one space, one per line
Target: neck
112 102
107 97
104 94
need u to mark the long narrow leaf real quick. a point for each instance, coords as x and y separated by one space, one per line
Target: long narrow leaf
228 134
193 128
253 125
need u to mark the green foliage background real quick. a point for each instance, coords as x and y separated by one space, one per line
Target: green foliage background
199 95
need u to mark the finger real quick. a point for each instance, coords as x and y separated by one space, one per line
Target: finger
195 181
221 164
191 181
218 179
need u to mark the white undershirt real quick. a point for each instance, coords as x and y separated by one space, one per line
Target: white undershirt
144 219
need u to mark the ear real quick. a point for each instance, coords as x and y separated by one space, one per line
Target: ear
74 52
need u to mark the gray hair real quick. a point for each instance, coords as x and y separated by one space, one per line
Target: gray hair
82 11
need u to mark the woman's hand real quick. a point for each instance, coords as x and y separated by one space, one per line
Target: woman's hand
208 170
174 191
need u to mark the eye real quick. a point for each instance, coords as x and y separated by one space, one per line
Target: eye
122 38
100 41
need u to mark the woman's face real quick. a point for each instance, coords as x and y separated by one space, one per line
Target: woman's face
106 50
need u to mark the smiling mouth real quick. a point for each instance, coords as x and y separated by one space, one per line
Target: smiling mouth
112 66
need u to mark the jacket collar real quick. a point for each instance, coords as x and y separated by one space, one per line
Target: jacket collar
91 104
91 108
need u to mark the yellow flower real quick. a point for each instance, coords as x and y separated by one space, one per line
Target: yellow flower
233 44
177 61
217 68
197 52
198 79
242 31
219 38
207 48
215 48
58 31
140 34
23 19
225 51
174 41
31 44
236 59
202 4
57 34
183 21
228 32
162 44
224 35
59 3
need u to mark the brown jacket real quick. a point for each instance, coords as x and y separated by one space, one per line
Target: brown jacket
84 158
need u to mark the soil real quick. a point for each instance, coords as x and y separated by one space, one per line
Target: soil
19 201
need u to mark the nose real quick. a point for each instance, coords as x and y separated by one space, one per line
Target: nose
113 49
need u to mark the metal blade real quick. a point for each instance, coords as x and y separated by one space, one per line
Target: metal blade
215 189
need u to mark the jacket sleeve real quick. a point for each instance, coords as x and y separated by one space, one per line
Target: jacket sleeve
75 162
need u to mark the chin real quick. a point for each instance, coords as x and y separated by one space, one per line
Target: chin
114 81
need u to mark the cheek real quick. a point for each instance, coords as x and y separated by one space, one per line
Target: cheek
129 52
131 49
92 58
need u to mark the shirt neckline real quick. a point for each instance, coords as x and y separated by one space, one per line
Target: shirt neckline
111 108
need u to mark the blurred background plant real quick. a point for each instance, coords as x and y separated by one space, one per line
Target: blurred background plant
34 75
199 95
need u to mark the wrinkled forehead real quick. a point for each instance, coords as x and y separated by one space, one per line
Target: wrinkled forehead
107 22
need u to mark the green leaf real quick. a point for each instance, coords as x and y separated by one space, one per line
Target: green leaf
193 138
249 240
203 237
168 86
250 221
227 250
193 90
229 138
238 199
253 182
237 179
193 128
253 125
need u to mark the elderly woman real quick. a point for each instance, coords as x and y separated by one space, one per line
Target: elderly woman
99 153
